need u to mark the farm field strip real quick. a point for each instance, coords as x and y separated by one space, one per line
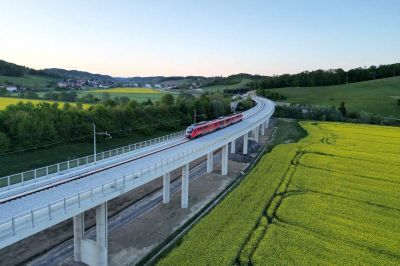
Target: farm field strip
133 90
330 198
6 101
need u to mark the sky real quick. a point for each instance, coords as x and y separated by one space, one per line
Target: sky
207 37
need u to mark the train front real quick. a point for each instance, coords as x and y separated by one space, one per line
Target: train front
189 131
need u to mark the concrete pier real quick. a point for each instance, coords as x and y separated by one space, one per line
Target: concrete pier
245 142
79 232
233 146
185 186
166 187
224 160
102 235
210 162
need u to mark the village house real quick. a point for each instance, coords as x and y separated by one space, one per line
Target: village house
11 89
62 84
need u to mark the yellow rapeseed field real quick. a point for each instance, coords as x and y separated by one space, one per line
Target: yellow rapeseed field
330 199
5 101
129 90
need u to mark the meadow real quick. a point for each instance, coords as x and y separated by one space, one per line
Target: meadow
221 88
331 198
5 101
375 96
137 94
28 81
128 90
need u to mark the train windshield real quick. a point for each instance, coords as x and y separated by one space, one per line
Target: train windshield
189 129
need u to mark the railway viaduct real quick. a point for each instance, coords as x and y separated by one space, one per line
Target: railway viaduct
38 199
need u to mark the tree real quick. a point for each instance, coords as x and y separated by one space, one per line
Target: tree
167 99
148 102
4 142
3 91
342 109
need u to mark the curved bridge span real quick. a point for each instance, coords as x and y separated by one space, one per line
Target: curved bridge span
35 206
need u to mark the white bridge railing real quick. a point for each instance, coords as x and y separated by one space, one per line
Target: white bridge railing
13 180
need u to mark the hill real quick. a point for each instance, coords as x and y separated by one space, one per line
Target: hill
243 83
28 81
76 74
374 96
13 74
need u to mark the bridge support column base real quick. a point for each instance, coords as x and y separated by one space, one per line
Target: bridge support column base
185 186
90 252
79 233
166 187
102 234
210 162
224 160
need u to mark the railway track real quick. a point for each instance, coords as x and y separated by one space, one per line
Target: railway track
80 176
60 182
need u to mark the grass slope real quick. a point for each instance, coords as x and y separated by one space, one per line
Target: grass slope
331 198
139 97
31 159
129 90
221 88
374 96
28 81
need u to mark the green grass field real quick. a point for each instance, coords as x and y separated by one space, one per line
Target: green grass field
129 90
29 81
331 198
31 159
5 101
374 96
139 97
221 88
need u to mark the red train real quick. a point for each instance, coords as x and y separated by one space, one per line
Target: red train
207 127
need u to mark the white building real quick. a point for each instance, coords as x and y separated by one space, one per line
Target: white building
11 89
62 84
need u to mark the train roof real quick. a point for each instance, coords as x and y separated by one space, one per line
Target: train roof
214 120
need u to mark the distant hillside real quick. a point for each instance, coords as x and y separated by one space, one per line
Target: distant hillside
21 76
378 96
10 69
232 79
14 70
76 74
29 81
242 84
328 77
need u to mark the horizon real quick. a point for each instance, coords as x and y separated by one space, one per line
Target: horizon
131 39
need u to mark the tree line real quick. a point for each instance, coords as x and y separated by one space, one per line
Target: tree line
25 125
327 77
331 113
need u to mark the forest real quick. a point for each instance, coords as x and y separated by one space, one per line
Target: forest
25 125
